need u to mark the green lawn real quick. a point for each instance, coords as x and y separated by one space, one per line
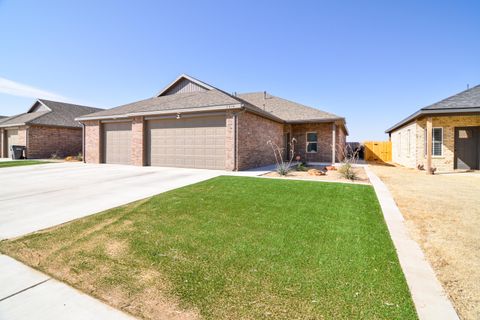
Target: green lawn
16 163
234 248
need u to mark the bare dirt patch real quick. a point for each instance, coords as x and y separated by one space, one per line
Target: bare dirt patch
331 175
442 213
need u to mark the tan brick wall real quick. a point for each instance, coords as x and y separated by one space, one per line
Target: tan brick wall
138 141
44 141
324 140
448 123
92 141
401 152
253 133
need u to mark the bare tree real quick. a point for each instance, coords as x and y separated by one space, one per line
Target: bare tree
350 157
283 167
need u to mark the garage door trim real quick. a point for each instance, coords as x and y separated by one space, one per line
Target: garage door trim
192 142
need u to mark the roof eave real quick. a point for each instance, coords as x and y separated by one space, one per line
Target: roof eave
13 125
423 112
313 120
172 111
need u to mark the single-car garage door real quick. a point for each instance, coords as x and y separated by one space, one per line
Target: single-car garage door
197 142
117 142
12 139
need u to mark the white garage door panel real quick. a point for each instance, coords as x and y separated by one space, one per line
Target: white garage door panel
117 138
191 142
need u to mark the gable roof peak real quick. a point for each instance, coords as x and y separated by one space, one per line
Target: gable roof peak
37 102
188 78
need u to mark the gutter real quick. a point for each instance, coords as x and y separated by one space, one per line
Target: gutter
172 111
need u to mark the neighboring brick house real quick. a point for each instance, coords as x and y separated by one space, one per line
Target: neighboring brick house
193 124
48 127
454 139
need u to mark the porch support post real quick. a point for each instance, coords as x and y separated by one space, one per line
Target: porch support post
334 142
429 146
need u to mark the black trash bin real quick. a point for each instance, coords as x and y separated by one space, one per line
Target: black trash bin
18 152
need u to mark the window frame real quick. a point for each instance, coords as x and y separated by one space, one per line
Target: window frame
308 142
433 142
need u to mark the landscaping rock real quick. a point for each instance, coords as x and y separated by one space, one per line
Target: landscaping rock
315 172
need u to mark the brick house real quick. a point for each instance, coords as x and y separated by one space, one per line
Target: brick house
451 130
193 124
48 127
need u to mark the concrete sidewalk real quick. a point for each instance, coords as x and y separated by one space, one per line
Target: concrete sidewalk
430 300
28 294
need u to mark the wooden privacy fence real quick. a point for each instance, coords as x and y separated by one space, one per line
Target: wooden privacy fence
378 151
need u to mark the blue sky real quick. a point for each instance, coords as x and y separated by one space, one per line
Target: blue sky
373 62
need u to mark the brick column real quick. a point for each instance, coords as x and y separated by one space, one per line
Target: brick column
138 141
230 142
92 141
334 142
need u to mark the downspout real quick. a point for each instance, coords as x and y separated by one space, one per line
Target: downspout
83 142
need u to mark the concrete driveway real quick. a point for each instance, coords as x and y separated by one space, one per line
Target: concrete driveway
41 196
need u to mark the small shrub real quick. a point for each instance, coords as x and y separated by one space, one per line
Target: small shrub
301 167
79 156
69 158
348 172
283 168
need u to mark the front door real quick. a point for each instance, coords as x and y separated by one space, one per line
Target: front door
467 140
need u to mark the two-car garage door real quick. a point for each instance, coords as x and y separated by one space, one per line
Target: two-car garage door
191 142
197 142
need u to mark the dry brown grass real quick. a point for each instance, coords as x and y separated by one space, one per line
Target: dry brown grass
74 258
442 213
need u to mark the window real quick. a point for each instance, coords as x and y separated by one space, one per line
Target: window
437 142
311 142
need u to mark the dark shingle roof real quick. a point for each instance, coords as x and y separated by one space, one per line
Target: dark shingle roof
469 98
275 108
60 114
464 102
177 101
287 110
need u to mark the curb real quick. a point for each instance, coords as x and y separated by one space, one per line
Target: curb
429 298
